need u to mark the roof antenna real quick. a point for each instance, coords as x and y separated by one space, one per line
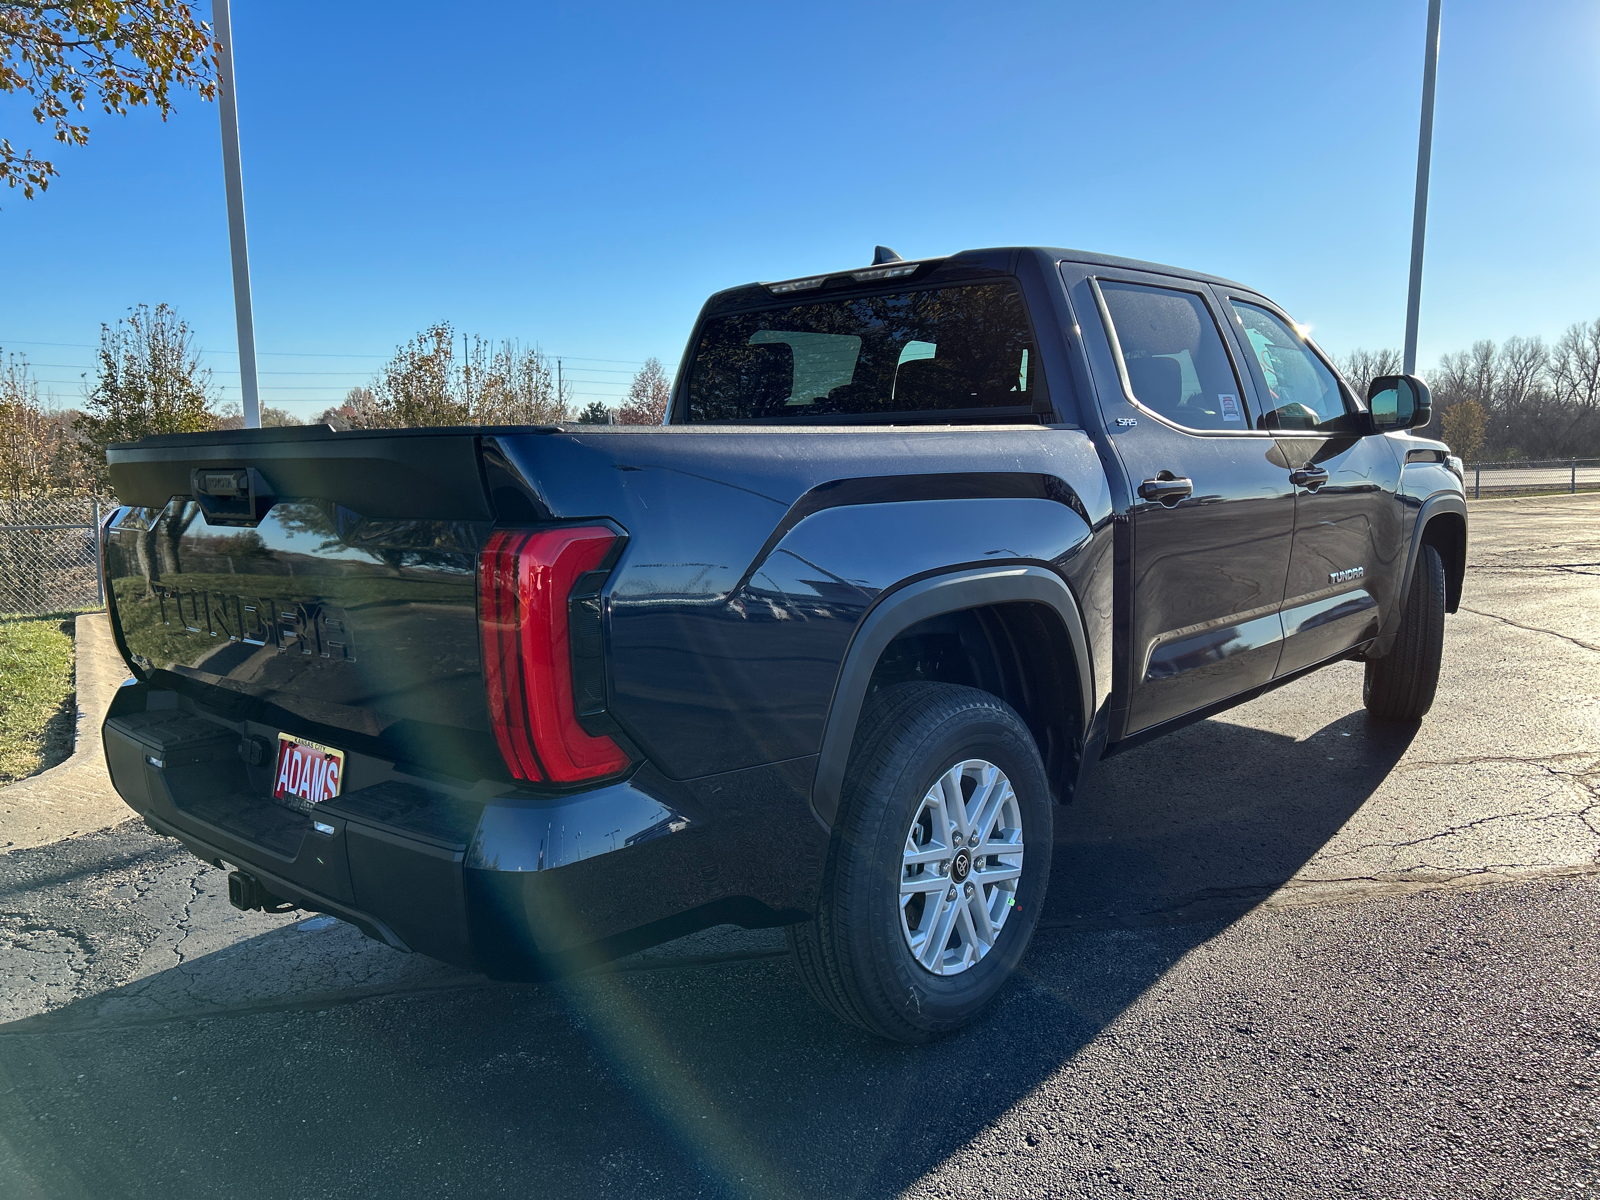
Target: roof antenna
882 254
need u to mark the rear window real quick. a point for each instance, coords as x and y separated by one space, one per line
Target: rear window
944 350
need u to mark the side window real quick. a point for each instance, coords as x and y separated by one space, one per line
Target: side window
1298 389
1173 354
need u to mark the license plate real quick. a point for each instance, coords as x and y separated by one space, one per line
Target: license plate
308 770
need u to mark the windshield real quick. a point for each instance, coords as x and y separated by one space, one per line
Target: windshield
944 350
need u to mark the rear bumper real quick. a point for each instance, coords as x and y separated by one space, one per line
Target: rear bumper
512 884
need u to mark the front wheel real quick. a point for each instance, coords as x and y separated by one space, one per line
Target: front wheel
938 867
1400 686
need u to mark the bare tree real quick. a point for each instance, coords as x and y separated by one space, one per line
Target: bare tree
1575 367
125 53
648 395
512 384
1361 367
1467 375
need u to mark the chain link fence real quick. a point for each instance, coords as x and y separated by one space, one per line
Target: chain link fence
50 554
1544 475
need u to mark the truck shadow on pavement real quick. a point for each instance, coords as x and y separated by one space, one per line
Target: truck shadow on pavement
720 1079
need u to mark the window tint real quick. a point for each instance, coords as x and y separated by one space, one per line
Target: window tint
943 349
1299 391
1174 356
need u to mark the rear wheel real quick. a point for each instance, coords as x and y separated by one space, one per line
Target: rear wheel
938 866
1400 686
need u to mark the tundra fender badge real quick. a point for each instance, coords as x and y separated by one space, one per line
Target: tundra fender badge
1347 574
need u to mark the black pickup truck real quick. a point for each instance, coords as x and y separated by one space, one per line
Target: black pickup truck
919 544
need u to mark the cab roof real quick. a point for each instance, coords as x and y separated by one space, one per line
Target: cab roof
998 260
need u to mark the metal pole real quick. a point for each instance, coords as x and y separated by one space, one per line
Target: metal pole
99 554
1419 215
1574 488
1477 482
233 177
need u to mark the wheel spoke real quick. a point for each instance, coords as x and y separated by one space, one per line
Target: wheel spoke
930 882
1010 850
996 791
926 855
954 804
997 874
969 936
939 928
978 916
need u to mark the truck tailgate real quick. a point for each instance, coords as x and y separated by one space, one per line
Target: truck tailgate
328 588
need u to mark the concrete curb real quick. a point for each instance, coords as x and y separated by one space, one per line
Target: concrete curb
75 796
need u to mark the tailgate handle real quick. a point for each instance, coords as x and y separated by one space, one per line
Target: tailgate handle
231 495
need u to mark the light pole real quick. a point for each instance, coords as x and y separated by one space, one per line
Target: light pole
233 177
1419 216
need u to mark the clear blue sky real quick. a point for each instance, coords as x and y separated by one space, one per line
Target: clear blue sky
583 176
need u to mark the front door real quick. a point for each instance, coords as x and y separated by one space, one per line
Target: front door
1213 522
1348 555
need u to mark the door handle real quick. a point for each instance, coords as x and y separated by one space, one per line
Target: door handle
1167 491
1308 477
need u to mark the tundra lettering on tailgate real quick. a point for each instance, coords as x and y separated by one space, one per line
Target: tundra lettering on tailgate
311 628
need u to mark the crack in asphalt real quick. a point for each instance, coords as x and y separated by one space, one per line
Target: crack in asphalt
1463 827
1226 901
1542 761
110 863
184 922
1519 568
1447 875
1533 629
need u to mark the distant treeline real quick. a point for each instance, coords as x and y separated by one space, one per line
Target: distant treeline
148 379
1523 398
1527 398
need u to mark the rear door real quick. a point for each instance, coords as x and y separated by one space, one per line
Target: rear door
1348 550
1213 523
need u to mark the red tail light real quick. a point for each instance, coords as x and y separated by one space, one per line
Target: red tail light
524 579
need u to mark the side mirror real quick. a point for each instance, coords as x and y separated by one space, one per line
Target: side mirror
1398 402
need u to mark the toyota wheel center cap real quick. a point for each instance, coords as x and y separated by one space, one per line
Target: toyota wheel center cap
961 866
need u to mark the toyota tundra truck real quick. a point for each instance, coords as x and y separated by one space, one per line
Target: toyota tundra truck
919 543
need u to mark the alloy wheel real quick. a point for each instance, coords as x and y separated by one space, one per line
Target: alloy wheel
960 867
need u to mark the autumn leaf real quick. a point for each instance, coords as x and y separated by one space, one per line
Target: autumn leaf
123 55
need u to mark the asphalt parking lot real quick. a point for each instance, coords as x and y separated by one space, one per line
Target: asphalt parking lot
1287 953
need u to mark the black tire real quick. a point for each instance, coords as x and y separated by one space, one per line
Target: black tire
1400 686
853 956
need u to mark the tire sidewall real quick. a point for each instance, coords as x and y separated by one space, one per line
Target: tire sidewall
938 1002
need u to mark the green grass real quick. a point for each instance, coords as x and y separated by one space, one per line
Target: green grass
36 693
